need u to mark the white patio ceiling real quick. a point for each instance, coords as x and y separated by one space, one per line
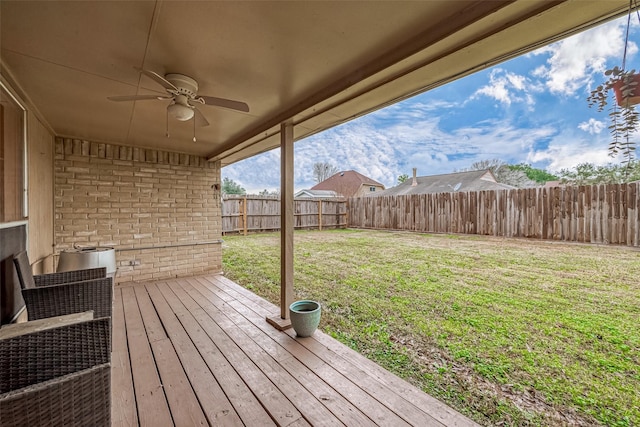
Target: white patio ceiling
316 63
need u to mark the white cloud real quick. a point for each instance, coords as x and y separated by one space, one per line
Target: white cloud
570 148
412 109
384 145
573 62
558 156
356 145
592 126
517 81
257 173
444 132
507 87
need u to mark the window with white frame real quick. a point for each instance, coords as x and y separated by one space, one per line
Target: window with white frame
12 155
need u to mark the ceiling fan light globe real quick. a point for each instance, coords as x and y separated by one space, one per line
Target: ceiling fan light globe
180 112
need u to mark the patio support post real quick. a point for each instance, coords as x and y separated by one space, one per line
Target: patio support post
286 227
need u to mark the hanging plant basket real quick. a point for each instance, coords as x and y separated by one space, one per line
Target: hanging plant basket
627 90
624 119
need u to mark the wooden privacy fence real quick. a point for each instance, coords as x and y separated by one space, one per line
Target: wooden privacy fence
592 214
254 213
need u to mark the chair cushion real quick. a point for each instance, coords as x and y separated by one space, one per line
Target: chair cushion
25 274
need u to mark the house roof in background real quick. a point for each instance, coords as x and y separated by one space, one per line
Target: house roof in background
346 183
316 194
447 183
315 64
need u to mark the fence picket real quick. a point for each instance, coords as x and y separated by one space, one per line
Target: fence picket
591 214
255 213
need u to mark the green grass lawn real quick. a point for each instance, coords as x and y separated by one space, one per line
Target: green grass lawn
510 332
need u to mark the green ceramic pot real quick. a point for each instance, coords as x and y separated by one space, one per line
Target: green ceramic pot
305 317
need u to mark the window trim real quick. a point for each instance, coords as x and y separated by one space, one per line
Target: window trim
25 163
13 224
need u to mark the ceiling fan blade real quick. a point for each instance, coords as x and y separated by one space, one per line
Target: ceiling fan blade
200 119
226 103
157 78
137 97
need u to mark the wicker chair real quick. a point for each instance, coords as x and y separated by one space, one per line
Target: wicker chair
57 294
57 377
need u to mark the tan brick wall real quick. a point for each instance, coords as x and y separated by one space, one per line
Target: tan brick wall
158 209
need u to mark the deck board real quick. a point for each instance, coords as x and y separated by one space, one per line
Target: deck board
254 322
152 405
123 401
213 399
231 357
183 403
304 395
434 407
291 390
198 351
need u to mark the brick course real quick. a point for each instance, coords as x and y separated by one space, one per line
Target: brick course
155 207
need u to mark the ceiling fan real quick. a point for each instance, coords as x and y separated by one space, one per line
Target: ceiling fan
183 92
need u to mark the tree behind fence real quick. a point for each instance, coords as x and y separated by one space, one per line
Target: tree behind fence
592 214
254 213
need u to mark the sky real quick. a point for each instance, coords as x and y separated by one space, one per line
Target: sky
531 109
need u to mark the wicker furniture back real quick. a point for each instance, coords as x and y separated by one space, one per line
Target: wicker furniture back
58 294
28 280
57 377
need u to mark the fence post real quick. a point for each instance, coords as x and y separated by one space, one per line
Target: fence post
346 213
320 215
244 216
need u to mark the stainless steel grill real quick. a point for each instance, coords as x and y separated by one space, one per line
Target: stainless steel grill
88 257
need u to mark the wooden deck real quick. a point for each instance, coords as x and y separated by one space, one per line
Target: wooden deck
198 351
